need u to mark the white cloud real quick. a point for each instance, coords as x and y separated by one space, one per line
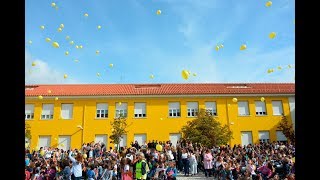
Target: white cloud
42 73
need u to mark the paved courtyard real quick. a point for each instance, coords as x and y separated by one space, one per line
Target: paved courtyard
197 177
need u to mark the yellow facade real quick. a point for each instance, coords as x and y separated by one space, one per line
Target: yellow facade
84 114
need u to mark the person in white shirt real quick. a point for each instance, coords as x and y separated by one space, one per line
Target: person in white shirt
76 165
193 164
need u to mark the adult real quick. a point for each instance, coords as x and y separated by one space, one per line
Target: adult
207 163
76 165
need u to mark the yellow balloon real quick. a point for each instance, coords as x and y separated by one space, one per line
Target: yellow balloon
40 97
111 65
48 39
30 42
84 156
97 51
77 46
119 103
221 46
56 98
269 3
53 4
161 119
59 29
243 47
34 64
61 25
272 35
86 14
185 74
98 74
49 91
234 100
42 152
279 67
67 37
158 12
71 42
36 148
159 147
62 145
65 76
289 66
151 76
76 60
112 129
262 99
80 46
55 44
270 70
194 74
99 27
26 145
217 48
66 53
42 27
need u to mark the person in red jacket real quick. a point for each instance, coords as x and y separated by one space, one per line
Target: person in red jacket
266 171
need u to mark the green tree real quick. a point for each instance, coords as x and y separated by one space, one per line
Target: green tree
287 129
207 130
27 131
119 126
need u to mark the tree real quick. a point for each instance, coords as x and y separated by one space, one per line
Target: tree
287 129
27 131
119 126
205 129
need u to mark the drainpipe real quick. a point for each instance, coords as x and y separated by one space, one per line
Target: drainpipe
228 119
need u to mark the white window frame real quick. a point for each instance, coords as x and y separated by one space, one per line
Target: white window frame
264 140
263 111
247 107
29 111
192 109
47 111
174 109
211 108
122 109
273 107
102 111
140 110
64 104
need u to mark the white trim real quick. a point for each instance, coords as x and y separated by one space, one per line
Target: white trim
161 96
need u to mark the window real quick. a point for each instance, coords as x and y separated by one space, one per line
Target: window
277 108
47 111
260 108
264 136
281 137
140 110
243 108
174 109
66 111
192 109
211 108
29 111
102 110
121 110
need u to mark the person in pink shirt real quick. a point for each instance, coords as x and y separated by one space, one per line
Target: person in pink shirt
266 171
207 163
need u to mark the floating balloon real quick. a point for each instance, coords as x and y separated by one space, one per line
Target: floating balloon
30 42
111 65
159 147
80 46
99 27
62 145
119 103
48 39
243 47
98 74
112 129
36 148
221 46
161 119
49 91
85 156
262 99
272 35
151 76
268 4
270 71
65 76
76 60
289 66
55 45
185 74
61 25
33 64
217 48
97 51
59 29
53 4
26 145
42 27
40 97
86 14
77 46
71 42
279 67
67 37
56 98
234 100
194 74
66 53
158 12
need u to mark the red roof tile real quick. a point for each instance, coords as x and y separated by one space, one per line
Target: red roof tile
158 89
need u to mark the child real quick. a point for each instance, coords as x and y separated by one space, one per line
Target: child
171 171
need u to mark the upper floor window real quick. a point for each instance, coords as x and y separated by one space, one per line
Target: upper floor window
277 108
243 108
140 110
47 111
66 111
211 108
260 108
102 110
28 111
174 109
192 109
121 109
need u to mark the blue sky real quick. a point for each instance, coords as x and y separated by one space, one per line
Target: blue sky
138 42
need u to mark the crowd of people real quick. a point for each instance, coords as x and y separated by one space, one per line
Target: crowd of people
162 160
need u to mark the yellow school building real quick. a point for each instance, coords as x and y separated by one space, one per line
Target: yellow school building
68 115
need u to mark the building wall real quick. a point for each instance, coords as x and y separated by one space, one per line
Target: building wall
292 103
84 113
